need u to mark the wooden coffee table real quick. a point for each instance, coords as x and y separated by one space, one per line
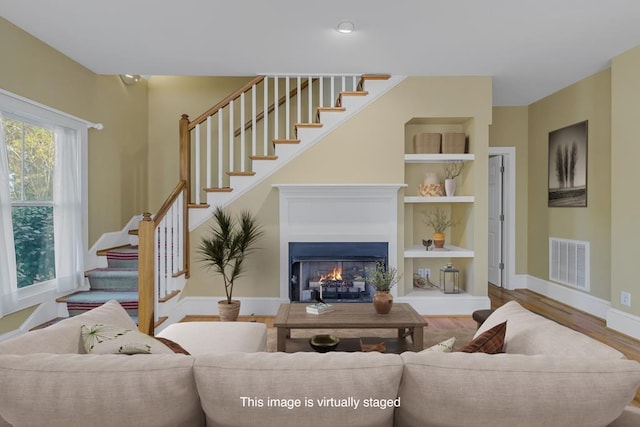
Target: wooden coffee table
352 316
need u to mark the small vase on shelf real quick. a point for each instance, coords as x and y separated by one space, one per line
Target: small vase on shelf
438 240
450 187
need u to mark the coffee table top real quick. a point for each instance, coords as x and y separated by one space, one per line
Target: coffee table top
348 315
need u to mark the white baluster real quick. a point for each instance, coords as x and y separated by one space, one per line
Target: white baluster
332 97
265 118
162 252
208 160
156 271
197 175
253 120
275 106
232 167
287 108
180 233
242 140
321 91
299 99
175 226
310 96
344 83
354 83
220 151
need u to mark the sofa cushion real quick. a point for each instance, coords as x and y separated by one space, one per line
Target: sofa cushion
218 337
235 389
455 389
490 341
64 336
529 333
108 339
99 390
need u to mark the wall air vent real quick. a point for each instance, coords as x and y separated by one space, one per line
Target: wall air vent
569 262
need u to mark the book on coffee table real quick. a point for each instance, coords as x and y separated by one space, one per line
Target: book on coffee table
319 308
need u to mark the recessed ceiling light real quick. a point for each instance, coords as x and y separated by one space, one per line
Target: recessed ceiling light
129 79
345 27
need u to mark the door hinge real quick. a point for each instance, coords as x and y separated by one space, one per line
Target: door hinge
501 266
501 169
501 217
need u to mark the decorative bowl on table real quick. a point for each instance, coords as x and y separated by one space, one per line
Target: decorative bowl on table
324 343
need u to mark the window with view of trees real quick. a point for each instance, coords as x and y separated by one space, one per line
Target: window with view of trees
30 152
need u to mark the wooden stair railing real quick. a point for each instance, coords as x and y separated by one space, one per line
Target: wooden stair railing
163 254
218 143
164 239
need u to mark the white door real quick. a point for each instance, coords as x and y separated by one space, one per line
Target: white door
496 220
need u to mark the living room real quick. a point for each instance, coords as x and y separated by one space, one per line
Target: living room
132 163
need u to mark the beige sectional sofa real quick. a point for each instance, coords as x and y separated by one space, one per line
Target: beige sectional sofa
549 375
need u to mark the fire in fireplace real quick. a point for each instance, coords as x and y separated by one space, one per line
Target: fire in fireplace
333 271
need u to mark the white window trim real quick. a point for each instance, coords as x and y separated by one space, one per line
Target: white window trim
23 107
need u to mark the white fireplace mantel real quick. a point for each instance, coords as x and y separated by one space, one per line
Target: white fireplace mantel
336 213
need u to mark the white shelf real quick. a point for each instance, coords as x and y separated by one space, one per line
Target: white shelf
437 158
449 251
453 199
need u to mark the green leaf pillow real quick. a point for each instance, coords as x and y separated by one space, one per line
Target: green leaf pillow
107 339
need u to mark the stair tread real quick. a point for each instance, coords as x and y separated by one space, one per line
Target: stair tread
102 296
335 109
308 125
241 173
263 157
286 141
103 252
218 189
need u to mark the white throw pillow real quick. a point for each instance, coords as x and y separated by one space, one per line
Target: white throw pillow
108 339
445 346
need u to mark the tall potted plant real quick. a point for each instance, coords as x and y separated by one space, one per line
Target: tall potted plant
224 251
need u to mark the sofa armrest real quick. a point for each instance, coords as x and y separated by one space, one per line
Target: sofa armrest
630 417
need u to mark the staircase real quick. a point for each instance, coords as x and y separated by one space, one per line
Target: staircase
224 153
118 281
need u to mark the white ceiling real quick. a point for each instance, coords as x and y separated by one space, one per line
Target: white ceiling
532 48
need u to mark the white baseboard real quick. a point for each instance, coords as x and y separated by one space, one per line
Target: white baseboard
519 281
617 320
624 323
576 299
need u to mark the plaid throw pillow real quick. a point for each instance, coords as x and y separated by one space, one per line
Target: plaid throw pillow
490 341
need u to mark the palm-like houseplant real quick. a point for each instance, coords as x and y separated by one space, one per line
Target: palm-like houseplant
225 249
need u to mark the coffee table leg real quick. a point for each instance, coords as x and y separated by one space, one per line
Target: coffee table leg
417 338
281 340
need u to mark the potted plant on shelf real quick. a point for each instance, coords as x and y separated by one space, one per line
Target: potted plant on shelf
451 171
382 280
225 250
439 220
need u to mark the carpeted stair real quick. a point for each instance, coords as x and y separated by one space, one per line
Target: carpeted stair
118 281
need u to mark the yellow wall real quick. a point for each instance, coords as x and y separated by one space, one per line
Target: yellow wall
117 154
169 98
588 99
625 205
510 129
369 148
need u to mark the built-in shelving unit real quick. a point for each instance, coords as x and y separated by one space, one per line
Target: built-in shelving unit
459 247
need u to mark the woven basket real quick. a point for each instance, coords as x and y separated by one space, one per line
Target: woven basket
426 143
453 143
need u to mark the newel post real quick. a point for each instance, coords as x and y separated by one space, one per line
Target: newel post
185 155
146 276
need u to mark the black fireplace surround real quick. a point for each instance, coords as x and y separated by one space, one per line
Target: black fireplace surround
333 270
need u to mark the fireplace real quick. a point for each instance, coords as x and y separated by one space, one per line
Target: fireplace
333 271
